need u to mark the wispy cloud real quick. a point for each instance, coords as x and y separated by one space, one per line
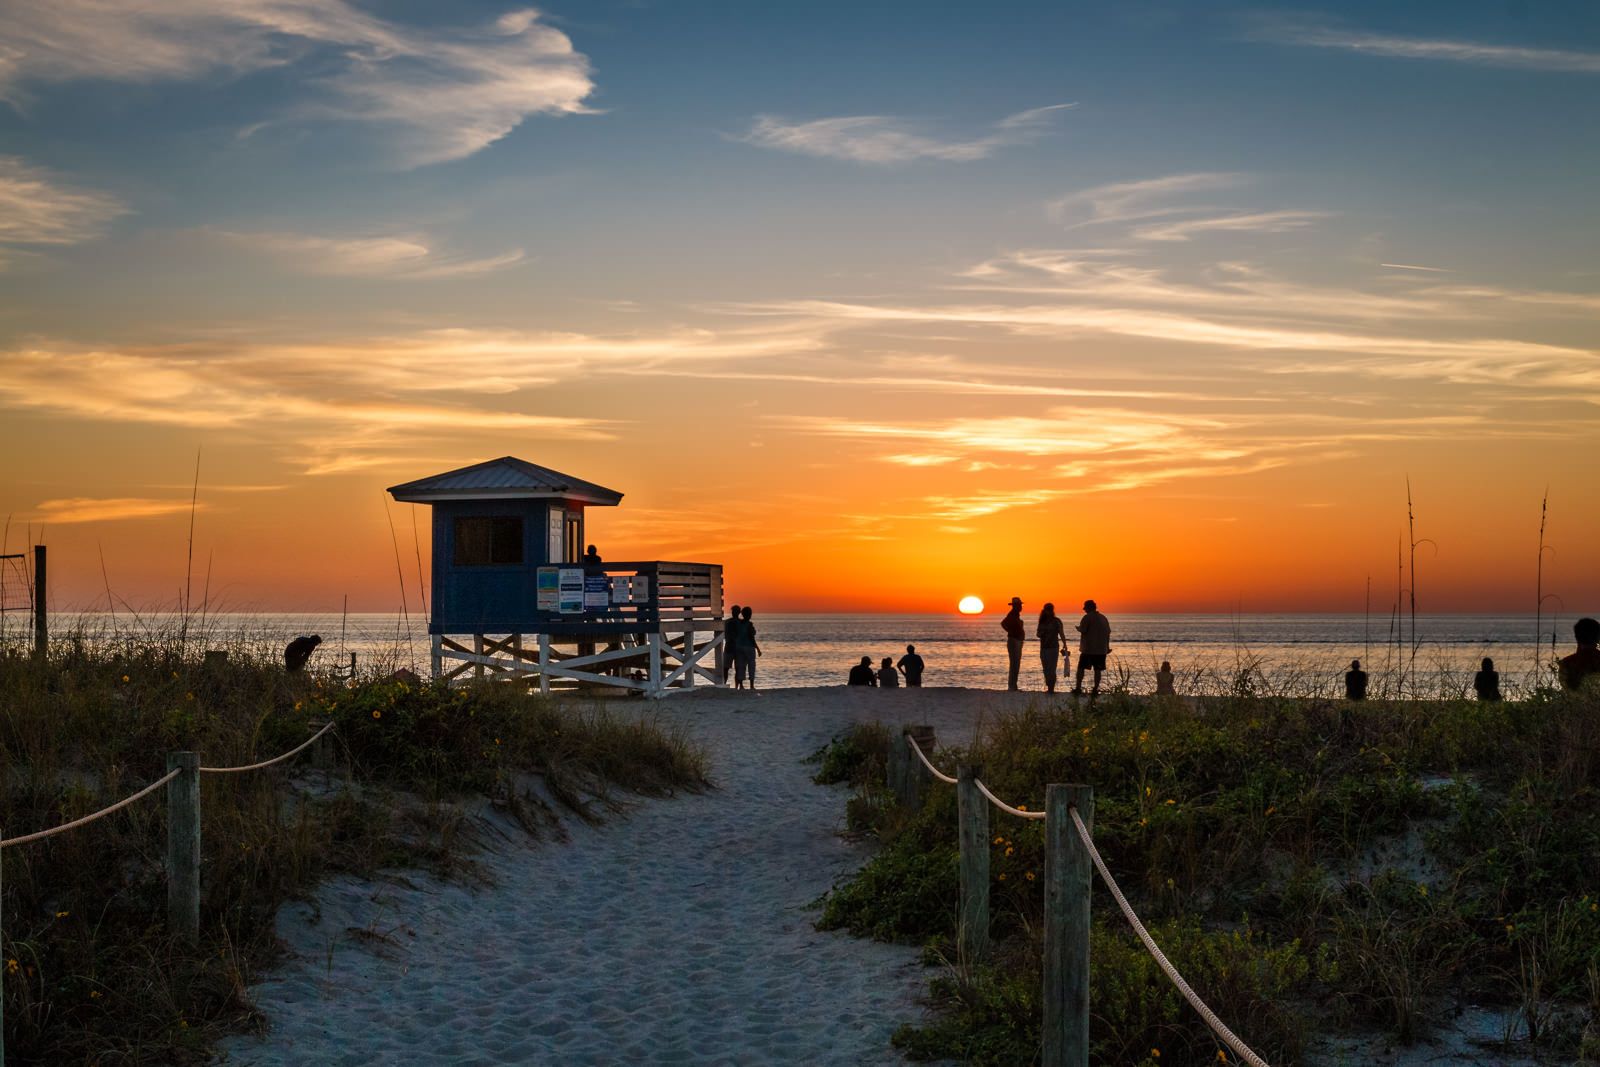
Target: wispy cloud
39 208
412 257
1520 57
441 94
1143 199
109 509
1251 222
884 139
341 404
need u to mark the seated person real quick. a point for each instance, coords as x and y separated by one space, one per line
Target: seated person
1355 682
861 673
888 677
1164 681
1487 681
1584 663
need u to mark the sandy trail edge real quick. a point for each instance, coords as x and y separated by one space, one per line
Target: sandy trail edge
679 933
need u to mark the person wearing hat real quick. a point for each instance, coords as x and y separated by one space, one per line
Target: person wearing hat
1016 633
1094 645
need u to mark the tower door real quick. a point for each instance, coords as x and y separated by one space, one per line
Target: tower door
556 549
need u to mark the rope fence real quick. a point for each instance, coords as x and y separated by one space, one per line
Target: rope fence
7 842
183 836
1068 879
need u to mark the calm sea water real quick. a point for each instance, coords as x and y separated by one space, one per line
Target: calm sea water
1294 654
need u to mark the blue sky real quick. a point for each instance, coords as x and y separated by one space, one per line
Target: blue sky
1255 248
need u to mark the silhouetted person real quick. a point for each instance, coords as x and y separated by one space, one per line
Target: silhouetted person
911 666
298 651
590 556
1487 681
746 651
862 674
1051 635
1355 682
1584 663
730 641
1094 645
1016 633
888 677
1164 686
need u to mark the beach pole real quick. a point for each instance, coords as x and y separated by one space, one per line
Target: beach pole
183 846
1067 879
41 612
972 930
917 778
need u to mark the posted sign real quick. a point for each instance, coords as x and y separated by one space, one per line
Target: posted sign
548 589
596 592
571 590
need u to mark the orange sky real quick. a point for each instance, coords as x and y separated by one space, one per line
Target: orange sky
875 310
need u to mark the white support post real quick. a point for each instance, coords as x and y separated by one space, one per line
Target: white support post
655 663
544 663
477 646
438 655
688 657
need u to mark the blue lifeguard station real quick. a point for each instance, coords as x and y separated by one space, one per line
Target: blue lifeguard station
512 597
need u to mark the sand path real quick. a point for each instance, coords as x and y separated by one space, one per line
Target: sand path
680 933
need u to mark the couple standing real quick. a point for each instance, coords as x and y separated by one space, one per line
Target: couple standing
739 648
1094 643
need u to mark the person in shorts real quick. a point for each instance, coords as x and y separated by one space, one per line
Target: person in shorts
1094 645
745 651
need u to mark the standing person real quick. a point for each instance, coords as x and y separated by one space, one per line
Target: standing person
861 673
1164 686
888 677
1487 681
1355 682
746 650
591 556
1584 663
911 666
1051 635
730 641
1094 645
1016 633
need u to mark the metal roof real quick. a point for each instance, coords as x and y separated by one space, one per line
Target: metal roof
506 478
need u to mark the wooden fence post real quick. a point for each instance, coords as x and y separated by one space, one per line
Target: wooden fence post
972 929
899 753
1068 876
183 846
41 610
918 780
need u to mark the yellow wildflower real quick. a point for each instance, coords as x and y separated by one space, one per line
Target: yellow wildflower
1155 1054
1222 1057
1170 802
376 714
1029 876
62 914
188 696
1270 810
298 705
999 840
95 994
1009 851
1144 822
12 966
1002 878
124 677
1022 807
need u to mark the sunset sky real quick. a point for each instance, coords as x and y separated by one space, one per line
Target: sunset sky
875 304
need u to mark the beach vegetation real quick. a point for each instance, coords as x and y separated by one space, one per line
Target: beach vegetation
1313 868
90 973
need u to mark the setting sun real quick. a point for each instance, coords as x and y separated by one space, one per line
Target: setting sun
970 605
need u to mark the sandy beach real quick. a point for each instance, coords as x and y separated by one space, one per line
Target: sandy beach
679 932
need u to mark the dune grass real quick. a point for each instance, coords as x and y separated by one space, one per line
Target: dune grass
90 973
1312 867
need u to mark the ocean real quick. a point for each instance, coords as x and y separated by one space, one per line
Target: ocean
1301 655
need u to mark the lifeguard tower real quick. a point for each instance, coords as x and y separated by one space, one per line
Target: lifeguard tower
512 598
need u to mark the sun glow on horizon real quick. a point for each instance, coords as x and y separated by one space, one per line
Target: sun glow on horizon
970 605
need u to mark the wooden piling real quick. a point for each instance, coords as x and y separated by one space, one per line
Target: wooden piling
917 778
183 846
972 929
1068 876
41 610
